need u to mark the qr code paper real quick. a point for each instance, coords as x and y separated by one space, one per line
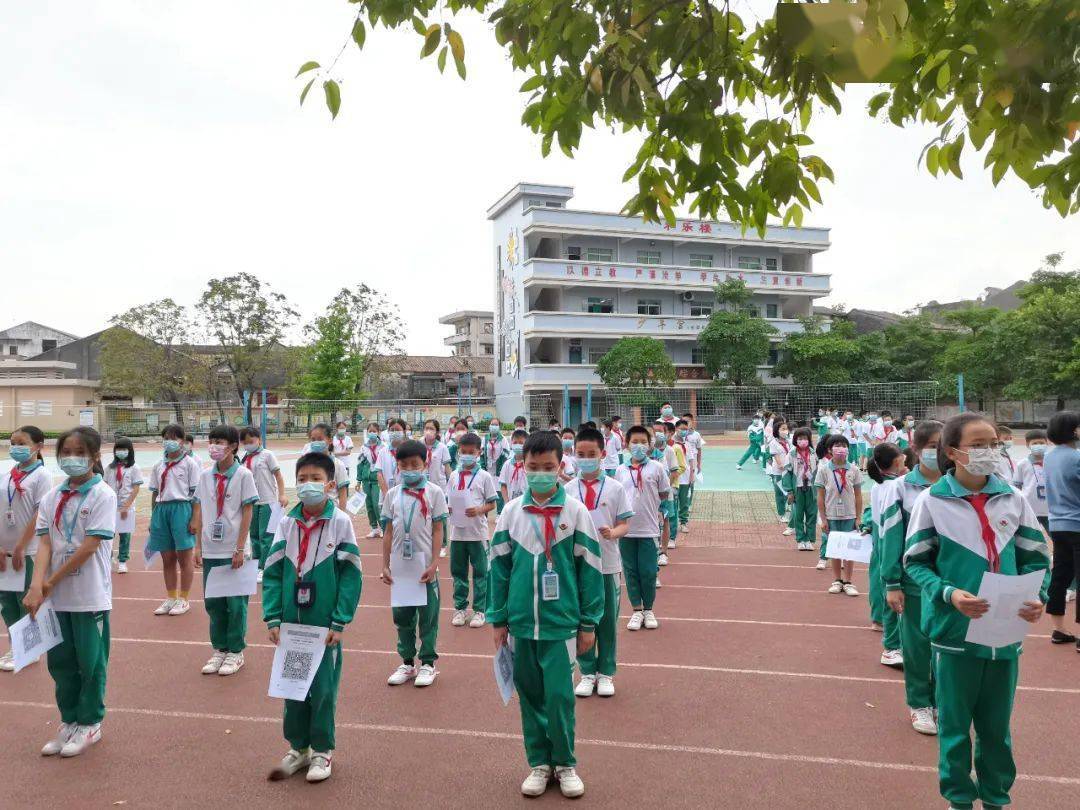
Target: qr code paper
297 665
31 635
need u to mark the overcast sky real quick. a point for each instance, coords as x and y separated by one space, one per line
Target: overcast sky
149 146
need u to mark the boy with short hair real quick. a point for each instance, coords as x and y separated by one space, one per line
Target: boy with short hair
270 485
414 519
612 448
569 461
342 445
313 577
546 590
512 477
370 461
677 467
495 455
839 487
686 477
468 546
521 423
319 442
1006 467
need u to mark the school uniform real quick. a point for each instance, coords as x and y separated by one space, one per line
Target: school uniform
222 498
1006 467
612 454
546 586
513 478
568 466
821 425
648 485
954 537
123 480
342 447
694 443
313 576
852 431
882 496
369 464
173 481
686 480
669 507
24 489
468 547
904 437
83 599
607 503
781 448
413 513
263 465
493 457
799 480
674 504
438 458
839 485
1029 477
755 435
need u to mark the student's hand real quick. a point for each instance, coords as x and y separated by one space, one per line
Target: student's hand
430 573
275 634
283 501
123 513
896 601
198 556
791 497
970 605
471 511
823 524
1031 611
33 599
47 588
17 556
332 638
194 528
385 575
501 636
585 642
238 559
605 532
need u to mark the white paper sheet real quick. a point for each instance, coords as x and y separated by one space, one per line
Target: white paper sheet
459 501
407 590
849 546
277 512
1006 594
148 556
504 673
125 525
224 580
355 504
10 579
31 638
296 660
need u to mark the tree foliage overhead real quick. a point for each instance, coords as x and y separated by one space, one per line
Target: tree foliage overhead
736 340
723 103
143 355
636 362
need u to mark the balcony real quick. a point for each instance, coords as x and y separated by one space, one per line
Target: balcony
453 339
579 324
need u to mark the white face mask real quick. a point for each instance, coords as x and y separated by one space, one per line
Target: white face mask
981 460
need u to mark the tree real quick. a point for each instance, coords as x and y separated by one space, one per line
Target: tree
636 362
376 335
819 357
723 106
914 348
735 341
324 375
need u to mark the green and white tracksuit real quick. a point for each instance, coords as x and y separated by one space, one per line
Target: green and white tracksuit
544 630
328 562
954 537
880 612
798 479
755 435
367 480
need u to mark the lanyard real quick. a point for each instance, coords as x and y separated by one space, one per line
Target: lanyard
305 537
461 478
14 484
407 519
805 459
1039 481
545 537
58 518
640 470
836 480
581 495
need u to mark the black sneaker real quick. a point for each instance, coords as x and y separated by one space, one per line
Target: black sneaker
1057 637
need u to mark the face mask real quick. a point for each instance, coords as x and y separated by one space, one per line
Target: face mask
1007 443
660 440
909 422
466 459
458 435
540 482
567 444
1037 449
341 431
928 457
121 454
887 421
666 411
218 451
683 433
20 453
493 428
981 460
821 413
373 439
469 424
872 419
518 450
803 443
74 466
839 454
412 478
397 435
311 494
317 447
849 418
757 421
783 434
588 465
638 451
171 446
251 448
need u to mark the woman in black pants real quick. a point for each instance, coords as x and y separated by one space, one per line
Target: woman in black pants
1062 467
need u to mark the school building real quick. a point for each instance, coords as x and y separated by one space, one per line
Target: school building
569 283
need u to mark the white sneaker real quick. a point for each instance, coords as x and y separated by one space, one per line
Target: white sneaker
373 533
836 587
319 769
442 551
426 675
635 620
662 560
477 620
406 672
738 466
569 782
121 568
214 664
459 618
821 565
605 685
259 576
650 620
788 532
658 584
233 663
164 608
850 589
537 782
671 543
180 607
81 739
585 686
7 662
892 658
922 720
56 744
685 528
290 764
782 518
1070 596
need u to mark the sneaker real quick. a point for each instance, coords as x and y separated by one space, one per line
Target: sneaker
922 720
477 620
1058 637
892 658
180 607
1070 596
788 532
671 543
605 686
373 533
426 675
121 568
837 586
635 620
821 564
685 528
537 782
877 627
782 518
738 466
290 764
459 618
658 585
164 608
406 672
7 662
442 551
214 664
585 686
57 743
81 739
259 576
233 663
569 782
650 620
319 769
850 589
662 560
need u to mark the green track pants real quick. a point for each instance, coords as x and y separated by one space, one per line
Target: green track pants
543 676
918 673
78 666
123 553
639 562
372 495
257 532
804 515
426 618
466 554
228 615
11 606
310 723
880 611
601 657
752 451
684 504
779 496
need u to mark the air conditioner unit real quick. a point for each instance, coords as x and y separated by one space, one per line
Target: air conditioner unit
687 296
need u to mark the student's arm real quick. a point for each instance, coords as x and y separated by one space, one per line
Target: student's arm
242 537
274 568
858 501
35 594
343 495
824 521
387 520
1032 553
438 527
499 579
382 482
590 581
195 524
20 547
126 505
350 581
621 527
279 479
891 533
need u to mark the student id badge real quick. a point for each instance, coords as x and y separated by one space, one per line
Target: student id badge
549 586
407 548
305 594
9 518
64 560
1040 491
217 530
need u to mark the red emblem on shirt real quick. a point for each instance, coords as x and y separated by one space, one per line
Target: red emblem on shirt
562 527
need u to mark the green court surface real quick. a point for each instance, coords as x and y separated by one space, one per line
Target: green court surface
720 473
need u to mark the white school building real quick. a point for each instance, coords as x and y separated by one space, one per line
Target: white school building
569 283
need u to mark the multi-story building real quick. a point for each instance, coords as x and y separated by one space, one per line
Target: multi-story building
29 339
474 333
570 283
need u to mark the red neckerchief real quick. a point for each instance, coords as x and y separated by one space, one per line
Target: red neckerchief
619 433
843 477
804 455
341 441
119 477
549 514
249 459
419 495
222 482
374 453
518 467
66 494
978 503
17 476
590 494
305 538
491 447
165 473
640 470
429 454
783 444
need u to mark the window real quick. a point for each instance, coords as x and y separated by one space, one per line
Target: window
599 254
697 355
12 350
700 310
573 253
770 265
553 204
774 357
648 306
488 326
701 260
749 263
575 353
427 387
595 355
48 345
771 311
648 257
600 306
487 349
26 407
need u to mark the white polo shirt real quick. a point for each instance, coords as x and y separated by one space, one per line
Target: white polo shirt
404 512
239 491
342 447
513 478
263 464
438 456
123 480
612 505
90 512
778 449
35 485
569 466
612 452
492 450
387 465
181 477
646 486
479 486
1030 479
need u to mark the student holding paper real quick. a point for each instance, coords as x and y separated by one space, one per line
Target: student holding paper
269 484
472 491
224 498
313 577
73 570
968 523
124 477
886 466
839 488
369 475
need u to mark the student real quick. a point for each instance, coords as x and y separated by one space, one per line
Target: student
886 467
695 443
966 524
902 593
649 485
512 478
779 451
616 428
612 449
608 504
839 488
755 435
1030 478
496 452
554 427
172 523
822 451
851 429
269 483
821 423
569 461
798 483
77 520
438 456
369 468
667 414
686 478
868 430
1006 467
24 488
124 477
342 446
521 423
904 435
1062 467
468 547
414 519
318 584
319 442
189 446
677 467
546 532
452 445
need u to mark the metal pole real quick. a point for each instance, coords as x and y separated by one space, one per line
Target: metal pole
960 391
588 402
262 425
566 405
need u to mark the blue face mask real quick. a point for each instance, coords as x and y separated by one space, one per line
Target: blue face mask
412 478
928 457
74 466
567 444
396 435
638 452
317 447
467 459
518 450
20 453
171 446
541 482
121 454
666 411
312 493
493 428
373 439
588 465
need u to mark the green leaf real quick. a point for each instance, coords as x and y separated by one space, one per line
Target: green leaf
805 112
304 68
359 32
999 171
442 59
333 97
460 65
419 27
877 102
811 189
943 76
532 84
457 45
798 215
932 159
431 41
304 92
